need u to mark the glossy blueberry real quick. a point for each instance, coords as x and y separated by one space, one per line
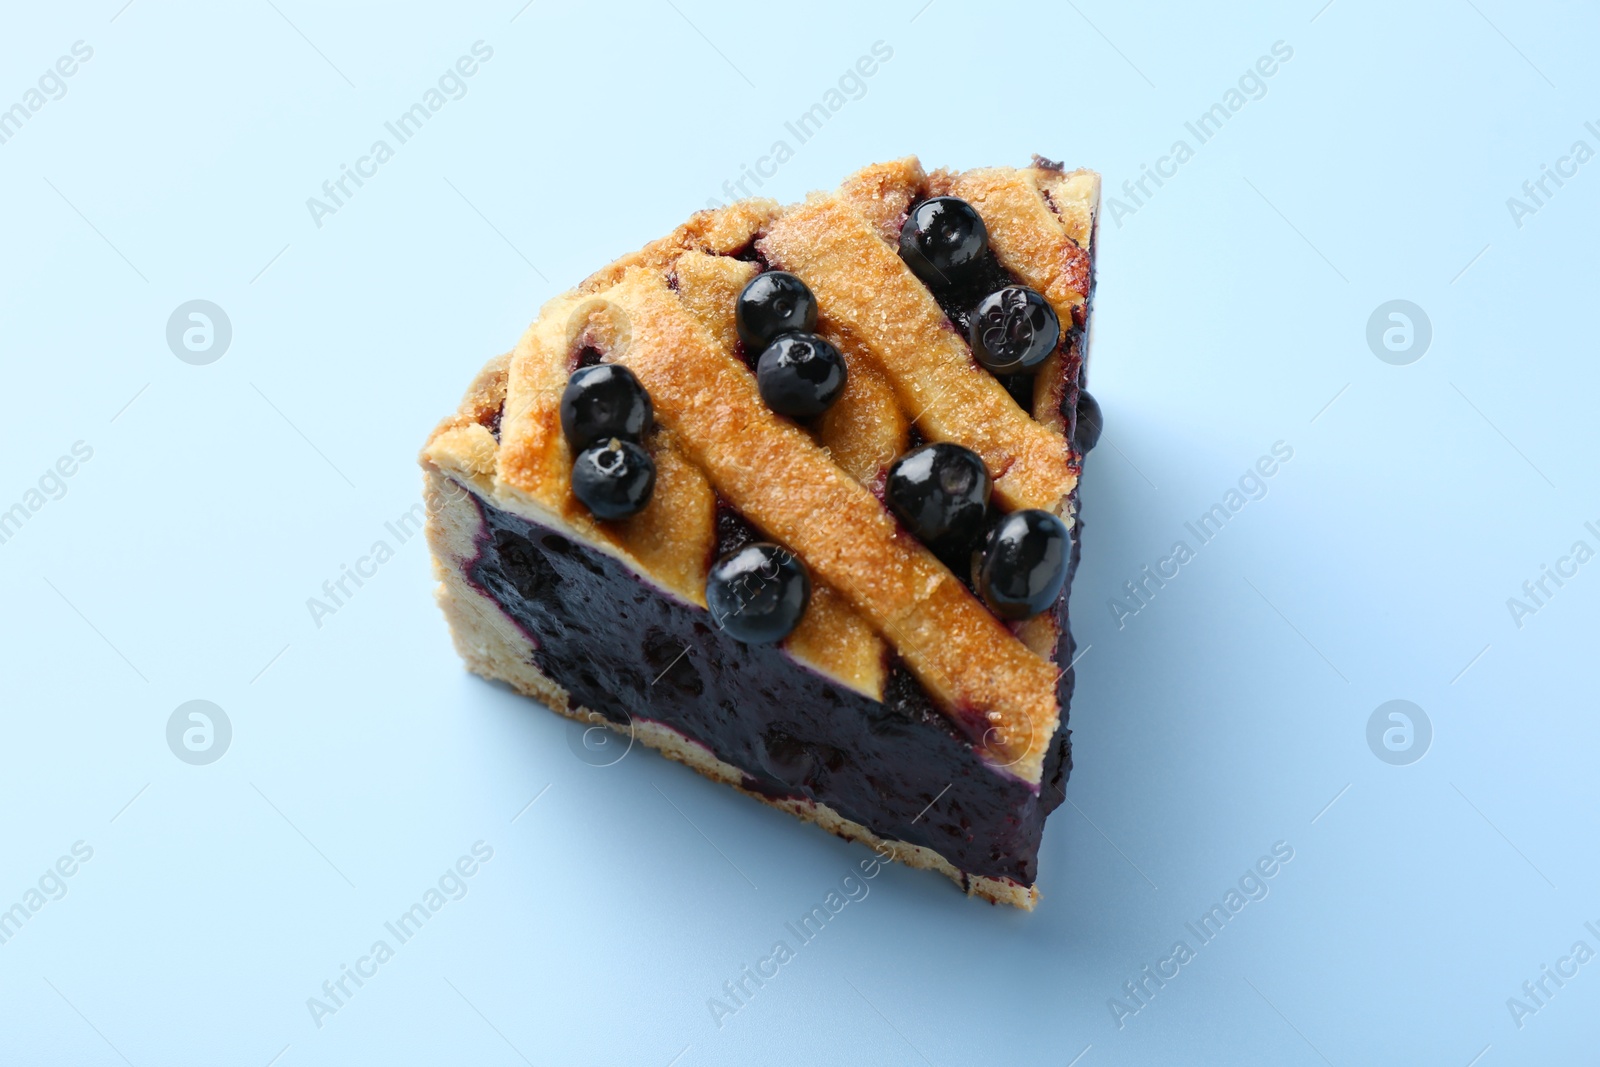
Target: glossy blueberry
1086 430
602 402
614 478
1013 330
773 303
800 375
939 492
942 239
1024 564
758 593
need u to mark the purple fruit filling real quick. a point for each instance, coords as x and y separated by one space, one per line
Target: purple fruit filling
630 652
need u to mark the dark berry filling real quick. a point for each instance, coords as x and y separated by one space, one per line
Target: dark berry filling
733 532
958 296
898 766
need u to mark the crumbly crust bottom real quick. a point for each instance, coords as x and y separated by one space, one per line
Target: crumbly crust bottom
493 646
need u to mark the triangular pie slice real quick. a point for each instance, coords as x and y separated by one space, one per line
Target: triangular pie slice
899 710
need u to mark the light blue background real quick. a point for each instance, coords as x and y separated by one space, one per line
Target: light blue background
1225 717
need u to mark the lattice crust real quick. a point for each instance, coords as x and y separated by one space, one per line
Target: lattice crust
667 313
864 430
722 232
883 194
671 539
1041 227
1041 223
788 487
865 293
1030 239
832 638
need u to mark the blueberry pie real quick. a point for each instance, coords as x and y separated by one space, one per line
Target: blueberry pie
791 496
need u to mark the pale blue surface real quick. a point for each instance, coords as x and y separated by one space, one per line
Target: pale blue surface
178 563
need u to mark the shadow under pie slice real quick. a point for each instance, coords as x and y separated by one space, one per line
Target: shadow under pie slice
756 609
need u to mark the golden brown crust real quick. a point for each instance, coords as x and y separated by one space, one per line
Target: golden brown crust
719 231
1074 196
883 192
1028 238
533 457
709 286
834 639
831 637
865 292
672 539
865 429
1041 226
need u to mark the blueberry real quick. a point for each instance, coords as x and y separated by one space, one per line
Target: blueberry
942 239
1013 330
800 375
1024 564
614 478
773 303
1020 386
602 402
1086 430
940 492
758 593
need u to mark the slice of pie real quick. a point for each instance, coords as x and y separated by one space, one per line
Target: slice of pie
791 496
